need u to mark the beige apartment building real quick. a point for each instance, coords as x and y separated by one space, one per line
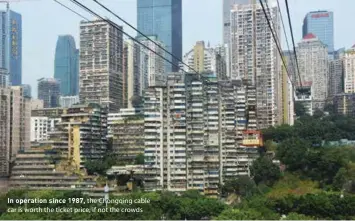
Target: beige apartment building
15 114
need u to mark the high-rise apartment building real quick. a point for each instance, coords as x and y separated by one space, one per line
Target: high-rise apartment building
254 57
314 68
205 59
66 65
321 24
156 64
163 18
193 132
101 54
15 116
49 91
5 116
349 71
336 73
11 45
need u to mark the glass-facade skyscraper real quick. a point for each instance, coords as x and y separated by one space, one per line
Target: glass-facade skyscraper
163 18
321 24
11 45
66 64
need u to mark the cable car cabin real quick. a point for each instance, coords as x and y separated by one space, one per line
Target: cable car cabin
252 138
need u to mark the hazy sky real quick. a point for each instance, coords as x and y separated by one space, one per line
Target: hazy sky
44 20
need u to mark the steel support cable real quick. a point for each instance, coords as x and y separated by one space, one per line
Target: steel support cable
293 41
278 37
273 35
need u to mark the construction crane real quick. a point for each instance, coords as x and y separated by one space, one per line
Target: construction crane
7 2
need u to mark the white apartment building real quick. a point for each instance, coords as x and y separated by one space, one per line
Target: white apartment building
193 133
314 68
349 70
101 50
254 56
68 101
156 68
206 59
39 129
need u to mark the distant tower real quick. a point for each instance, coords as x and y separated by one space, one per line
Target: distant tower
321 24
11 45
49 92
66 65
163 19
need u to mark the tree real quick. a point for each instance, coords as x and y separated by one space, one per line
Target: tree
242 186
297 216
265 171
137 101
300 110
237 214
139 160
292 152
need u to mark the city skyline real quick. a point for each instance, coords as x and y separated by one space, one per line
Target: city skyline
38 50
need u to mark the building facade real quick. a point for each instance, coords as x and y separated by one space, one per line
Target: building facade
44 121
11 45
349 71
314 68
36 104
205 59
101 64
66 65
27 90
135 71
321 24
15 116
4 78
336 73
127 131
344 104
49 92
68 101
164 20
257 60
156 64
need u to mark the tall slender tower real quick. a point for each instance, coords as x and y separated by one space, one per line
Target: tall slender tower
163 19
11 45
66 65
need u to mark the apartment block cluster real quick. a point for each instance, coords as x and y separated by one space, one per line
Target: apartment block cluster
193 132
